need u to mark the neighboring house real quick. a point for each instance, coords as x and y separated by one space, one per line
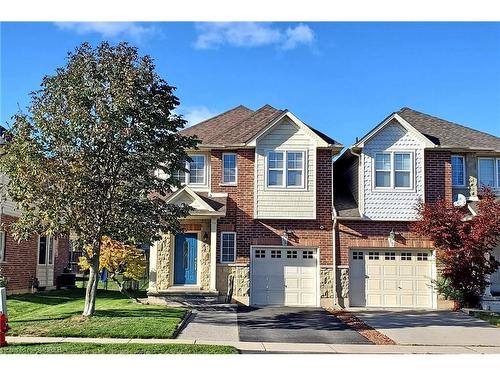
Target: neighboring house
260 185
409 158
38 258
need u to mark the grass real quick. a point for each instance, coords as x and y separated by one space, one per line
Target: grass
58 314
77 348
490 317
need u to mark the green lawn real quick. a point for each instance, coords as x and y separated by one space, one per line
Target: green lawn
73 348
58 313
490 317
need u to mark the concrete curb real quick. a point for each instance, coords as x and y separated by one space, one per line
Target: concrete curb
182 324
277 347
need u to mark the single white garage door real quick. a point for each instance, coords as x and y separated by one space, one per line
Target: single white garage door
284 276
390 278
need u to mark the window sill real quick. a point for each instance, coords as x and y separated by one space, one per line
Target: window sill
228 184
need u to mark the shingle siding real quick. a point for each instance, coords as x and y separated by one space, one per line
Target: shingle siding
392 204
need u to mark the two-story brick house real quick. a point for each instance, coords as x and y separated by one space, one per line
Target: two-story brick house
410 157
38 258
260 185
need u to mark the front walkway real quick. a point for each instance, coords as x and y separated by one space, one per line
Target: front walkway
453 328
275 347
213 323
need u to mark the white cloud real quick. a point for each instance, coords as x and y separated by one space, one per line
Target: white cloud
194 115
251 34
109 29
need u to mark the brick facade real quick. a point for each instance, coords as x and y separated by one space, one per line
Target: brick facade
21 259
373 234
437 175
240 210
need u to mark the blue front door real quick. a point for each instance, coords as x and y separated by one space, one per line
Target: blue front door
186 251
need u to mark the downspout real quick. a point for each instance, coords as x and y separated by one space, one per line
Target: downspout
334 250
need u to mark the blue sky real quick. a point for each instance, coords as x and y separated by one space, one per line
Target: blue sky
342 78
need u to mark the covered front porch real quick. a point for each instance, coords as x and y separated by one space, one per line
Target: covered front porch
183 266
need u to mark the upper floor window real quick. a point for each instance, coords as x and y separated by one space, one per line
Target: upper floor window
393 170
489 172
286 169
229 168
196 171
457 170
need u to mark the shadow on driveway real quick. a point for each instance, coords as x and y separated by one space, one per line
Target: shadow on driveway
294 324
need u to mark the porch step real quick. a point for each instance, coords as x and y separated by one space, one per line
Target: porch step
181 296
491 303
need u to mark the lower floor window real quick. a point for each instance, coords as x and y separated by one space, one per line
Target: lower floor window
228 247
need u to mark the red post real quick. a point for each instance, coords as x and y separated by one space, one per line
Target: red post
4 327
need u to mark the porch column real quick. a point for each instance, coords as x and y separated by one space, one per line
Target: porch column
152 268
213 253
487 290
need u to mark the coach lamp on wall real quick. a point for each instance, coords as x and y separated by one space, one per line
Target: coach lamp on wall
284 237
392 238
205 237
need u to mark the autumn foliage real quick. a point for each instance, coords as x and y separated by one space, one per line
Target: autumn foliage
118 259
464 243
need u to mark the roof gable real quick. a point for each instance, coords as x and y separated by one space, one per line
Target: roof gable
388 122
241 126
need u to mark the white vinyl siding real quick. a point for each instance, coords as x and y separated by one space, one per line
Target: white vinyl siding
228 247
229 169
398 201
457 171
282 202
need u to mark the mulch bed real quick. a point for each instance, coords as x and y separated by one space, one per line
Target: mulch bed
362 328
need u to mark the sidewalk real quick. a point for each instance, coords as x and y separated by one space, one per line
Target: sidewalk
273 347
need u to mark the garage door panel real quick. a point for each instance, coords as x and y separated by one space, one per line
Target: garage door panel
290 281
406 270
373 284
397 279
391 270
390 284
390 299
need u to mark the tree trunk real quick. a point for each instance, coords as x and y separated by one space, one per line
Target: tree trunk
91 292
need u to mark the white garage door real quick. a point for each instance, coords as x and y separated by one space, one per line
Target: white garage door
284 276
390 278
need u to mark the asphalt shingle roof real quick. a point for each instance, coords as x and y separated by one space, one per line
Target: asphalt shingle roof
238 126
449 134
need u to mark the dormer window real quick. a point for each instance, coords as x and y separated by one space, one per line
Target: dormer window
393 170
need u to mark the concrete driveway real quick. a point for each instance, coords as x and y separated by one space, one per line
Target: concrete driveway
431 327
294 325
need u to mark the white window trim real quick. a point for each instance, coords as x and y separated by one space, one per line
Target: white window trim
463 164
189 183
187 173
393 187
2 246
221 244
284 185
235 168
496 181
48 240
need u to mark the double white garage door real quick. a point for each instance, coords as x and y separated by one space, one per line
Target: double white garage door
284 276
391 278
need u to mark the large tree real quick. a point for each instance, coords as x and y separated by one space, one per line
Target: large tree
464 245
83 159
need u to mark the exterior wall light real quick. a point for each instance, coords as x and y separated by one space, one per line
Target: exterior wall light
392 238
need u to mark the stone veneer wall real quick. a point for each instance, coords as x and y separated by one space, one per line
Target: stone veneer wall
241 289
165 259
